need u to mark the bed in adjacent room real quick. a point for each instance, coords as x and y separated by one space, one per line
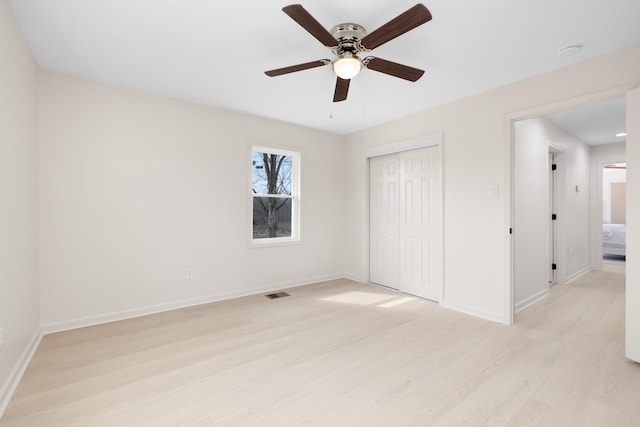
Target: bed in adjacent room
614 239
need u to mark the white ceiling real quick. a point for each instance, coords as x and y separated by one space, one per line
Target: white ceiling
595 124
215 53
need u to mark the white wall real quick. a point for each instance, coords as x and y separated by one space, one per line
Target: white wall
476 155
19 309
633 227
531 212
136 188
576 203
601 154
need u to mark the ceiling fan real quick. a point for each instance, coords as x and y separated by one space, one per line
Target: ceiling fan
347 40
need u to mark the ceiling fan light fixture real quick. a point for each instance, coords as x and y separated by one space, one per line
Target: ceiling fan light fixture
347 66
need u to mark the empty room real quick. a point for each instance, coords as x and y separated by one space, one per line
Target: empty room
319 214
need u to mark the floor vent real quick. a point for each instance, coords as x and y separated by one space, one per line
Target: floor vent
277 295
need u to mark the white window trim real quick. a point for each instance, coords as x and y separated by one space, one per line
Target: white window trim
296 202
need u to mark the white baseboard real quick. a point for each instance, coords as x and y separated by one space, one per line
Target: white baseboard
10 385
578 274
66 325
473 311
531 300
353 278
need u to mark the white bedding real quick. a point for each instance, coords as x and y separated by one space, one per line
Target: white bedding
614 239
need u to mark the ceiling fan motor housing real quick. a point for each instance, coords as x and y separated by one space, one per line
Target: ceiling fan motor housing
348 36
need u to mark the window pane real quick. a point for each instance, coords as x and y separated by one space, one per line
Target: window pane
271 217
271 173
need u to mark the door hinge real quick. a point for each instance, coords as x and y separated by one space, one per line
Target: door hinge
554 167
554 217
554 266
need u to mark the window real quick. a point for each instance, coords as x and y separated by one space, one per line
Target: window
275 197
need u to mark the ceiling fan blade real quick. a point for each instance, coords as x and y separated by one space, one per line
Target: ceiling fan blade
309 23
299 67
412 18
342 89
393 68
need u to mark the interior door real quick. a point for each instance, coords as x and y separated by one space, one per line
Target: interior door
552 218
406 222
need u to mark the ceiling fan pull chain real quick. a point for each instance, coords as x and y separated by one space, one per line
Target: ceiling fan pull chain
364 93
331 105
330 110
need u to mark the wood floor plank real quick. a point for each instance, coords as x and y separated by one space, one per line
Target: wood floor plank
341 353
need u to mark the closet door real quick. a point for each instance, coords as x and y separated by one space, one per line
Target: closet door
406 222
420 223
384 249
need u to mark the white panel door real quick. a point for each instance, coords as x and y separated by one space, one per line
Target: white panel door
384 210
406 217
420 223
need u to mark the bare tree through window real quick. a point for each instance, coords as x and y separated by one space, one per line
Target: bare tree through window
272 194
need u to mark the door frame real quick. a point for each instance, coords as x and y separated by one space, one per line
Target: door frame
429 140
509 122
559 202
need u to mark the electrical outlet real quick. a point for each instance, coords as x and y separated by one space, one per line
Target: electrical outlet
1 336
189 274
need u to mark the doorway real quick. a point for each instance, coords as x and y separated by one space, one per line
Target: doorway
614 215
405 224
574 136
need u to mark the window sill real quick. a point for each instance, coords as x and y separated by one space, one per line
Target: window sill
268 243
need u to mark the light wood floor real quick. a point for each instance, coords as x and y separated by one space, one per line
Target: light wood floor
342 354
